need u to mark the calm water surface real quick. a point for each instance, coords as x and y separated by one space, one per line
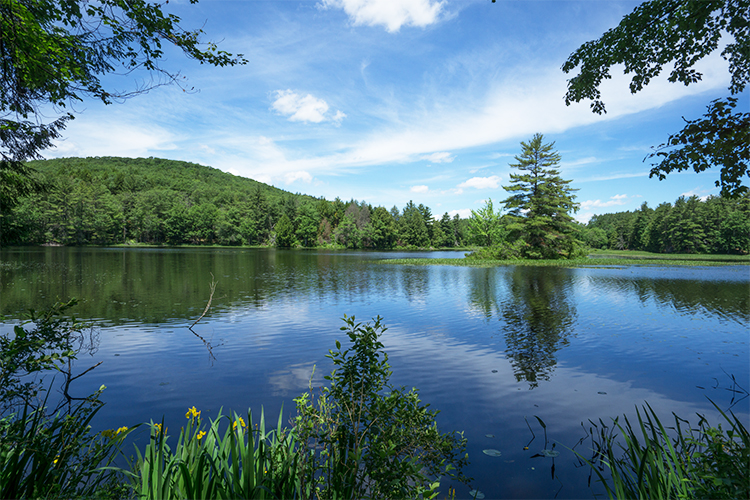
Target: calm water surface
490 348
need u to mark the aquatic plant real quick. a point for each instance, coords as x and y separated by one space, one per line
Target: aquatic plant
241 461
58 456
650 460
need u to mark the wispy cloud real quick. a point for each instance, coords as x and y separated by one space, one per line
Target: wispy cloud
441 157
618 199
390 14
614 177
419 189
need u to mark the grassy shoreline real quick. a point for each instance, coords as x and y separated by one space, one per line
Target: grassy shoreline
598 258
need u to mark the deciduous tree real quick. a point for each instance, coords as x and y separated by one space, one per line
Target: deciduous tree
677 34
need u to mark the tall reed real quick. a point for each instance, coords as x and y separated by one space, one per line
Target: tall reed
652 461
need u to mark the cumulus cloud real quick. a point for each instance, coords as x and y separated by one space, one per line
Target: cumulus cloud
391 14
618 199
307 108
441 157
419 189
492 182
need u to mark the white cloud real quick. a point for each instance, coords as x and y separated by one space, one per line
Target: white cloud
340 115
419 189
441 157
492 182
301 108
463 213
391 14
298 176
495 156
112 137
618 199
700 193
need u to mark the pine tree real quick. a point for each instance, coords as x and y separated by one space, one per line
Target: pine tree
540 204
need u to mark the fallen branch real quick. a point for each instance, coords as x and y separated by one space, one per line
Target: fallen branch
210 298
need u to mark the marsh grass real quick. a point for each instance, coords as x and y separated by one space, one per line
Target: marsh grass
600 258
646 459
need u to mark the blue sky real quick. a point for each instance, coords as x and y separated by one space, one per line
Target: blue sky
389 101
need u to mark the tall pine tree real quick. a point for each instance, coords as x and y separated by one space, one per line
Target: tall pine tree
540 204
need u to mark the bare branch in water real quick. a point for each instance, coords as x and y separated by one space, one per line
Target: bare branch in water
208 306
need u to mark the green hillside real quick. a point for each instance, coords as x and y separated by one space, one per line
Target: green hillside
141 174
107 201
143 200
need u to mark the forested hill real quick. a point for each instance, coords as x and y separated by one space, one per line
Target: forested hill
105 201
143 174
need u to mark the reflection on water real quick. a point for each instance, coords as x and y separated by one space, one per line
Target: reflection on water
539 316
592 343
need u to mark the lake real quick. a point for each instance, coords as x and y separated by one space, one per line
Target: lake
491 348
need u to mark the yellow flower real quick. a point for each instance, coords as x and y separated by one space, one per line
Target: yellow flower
192 413
241 421
120 430
54 462
201 434
157 428
109 433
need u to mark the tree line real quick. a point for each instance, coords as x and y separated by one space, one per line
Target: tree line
106 201
716 225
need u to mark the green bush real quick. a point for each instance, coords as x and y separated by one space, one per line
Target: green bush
361 437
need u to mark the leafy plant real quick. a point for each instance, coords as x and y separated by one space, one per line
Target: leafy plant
47 341
364 438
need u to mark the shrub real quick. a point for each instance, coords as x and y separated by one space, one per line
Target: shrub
364 438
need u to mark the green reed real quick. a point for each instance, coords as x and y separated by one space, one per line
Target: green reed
650 460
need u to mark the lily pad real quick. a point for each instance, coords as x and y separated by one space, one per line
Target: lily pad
550 453
491 452
476 494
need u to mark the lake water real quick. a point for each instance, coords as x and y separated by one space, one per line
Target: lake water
489 347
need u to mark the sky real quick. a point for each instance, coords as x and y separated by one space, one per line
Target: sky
387 101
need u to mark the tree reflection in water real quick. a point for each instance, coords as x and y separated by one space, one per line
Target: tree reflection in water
539 317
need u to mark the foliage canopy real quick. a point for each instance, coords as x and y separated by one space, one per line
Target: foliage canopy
678 33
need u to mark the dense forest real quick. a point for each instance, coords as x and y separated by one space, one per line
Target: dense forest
105 201
716 225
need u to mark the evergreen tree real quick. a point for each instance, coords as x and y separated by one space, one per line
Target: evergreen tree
541 202
284 232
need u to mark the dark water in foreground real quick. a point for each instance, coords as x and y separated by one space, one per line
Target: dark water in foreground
487 347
